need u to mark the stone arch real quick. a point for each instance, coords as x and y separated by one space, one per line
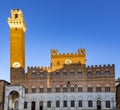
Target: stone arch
65 97
49 99
79 98
57 98
72 70
79 70
106 69
33 99
14 100
106 98
98 85
64 85
41 71
64 71
107 85
72 86
107 102
72 98
57 71
79 85
90 98
98 97
41 98
57 86
89 85
98 70
41 86
33 71
98 102
12 90
89 70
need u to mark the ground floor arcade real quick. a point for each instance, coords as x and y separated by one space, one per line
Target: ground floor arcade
16 99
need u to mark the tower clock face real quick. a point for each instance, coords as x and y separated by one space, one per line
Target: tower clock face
68 61
16 64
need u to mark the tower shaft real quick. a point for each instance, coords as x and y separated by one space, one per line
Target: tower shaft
17 40
17 47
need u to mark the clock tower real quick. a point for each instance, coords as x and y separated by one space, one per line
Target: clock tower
17 44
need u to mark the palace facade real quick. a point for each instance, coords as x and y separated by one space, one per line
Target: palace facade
68 84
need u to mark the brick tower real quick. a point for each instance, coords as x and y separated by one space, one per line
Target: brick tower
17 46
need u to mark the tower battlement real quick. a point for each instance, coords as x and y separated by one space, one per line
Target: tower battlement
38 67
100 66
17 20
58 60
54 52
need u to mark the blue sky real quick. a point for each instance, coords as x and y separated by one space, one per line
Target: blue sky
65 25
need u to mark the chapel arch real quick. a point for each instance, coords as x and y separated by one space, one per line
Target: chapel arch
14 100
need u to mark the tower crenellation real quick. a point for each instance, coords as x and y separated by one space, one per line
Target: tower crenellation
54 51
100 66
81 51
58 60
17 20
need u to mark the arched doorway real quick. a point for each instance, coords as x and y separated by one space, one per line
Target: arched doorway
41 105
98 105
14 100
